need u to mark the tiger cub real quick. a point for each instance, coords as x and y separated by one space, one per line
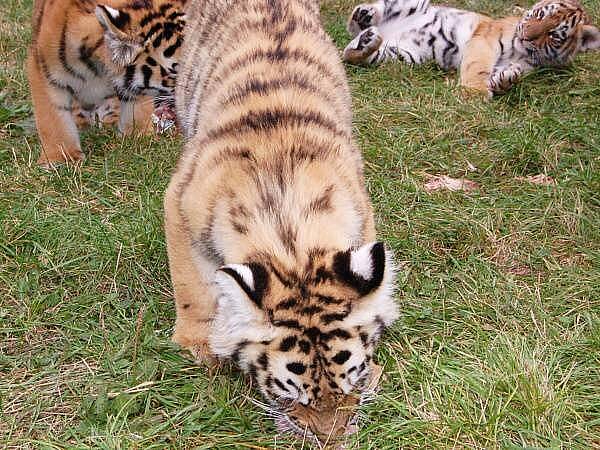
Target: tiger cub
491 54
270 231
85 52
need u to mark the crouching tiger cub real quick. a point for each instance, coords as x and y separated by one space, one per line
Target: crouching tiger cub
269 227
492 54
88 52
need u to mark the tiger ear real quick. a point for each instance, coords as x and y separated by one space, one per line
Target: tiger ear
363 269
370 270
122 47
590 38
239 315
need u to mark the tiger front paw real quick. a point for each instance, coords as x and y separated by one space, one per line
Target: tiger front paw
502 80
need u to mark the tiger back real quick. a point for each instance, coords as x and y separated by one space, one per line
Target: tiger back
270 231
85 52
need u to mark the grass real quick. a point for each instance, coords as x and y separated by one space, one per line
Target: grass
498 345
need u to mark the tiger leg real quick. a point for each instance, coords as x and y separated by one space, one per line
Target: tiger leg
364 48
136 116
364 16
477 64
54 121
195 302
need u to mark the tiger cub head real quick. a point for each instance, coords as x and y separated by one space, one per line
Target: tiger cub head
307 337
143 41
554 31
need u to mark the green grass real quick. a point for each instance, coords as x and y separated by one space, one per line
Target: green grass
498 344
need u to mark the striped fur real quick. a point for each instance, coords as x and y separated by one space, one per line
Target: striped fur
491 54
269 227
85 53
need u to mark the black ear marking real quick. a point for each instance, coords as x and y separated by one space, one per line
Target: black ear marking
260 277
119 19
342 266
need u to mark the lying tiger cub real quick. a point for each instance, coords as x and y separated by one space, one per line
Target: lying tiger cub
491 54
270 231
85 53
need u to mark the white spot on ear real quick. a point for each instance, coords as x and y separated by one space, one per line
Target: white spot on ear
113 12
244 272
361 261
379 303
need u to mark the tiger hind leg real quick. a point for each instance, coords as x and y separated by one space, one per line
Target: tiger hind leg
363 17
54 120
364 48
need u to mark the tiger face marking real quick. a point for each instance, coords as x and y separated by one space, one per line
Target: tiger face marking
555 31
307 339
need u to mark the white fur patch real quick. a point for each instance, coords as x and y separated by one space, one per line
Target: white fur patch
244 272
379 302
361 261
113 12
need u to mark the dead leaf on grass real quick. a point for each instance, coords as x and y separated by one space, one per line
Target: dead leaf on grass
444 182
519 270
540 179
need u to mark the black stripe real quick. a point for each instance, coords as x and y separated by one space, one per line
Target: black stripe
54 83
280 385
148 18
287 344
261 121
129 74
275 55
155 28
171 49
62 56
294 324
260 87
85 56
147 72
335 317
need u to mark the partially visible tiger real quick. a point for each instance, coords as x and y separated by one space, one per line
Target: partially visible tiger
270 231
492 54
88 52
